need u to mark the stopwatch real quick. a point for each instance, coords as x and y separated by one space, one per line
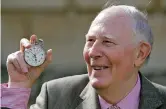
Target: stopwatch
35 55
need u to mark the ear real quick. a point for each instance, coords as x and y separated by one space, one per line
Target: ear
142 53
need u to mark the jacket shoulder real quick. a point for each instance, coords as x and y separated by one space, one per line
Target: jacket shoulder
68 81
162 90
65 90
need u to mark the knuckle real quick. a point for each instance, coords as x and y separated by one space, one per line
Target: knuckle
14 59
22 40
19 54
10 57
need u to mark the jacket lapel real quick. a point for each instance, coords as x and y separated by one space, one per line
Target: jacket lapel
89 99
149 96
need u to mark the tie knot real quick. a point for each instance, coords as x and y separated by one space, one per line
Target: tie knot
114 107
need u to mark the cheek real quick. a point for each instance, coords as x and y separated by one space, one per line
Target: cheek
86 55
115 56
87 60
120 55
129 55
121 59
125 60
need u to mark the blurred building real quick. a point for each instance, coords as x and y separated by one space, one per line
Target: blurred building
62 24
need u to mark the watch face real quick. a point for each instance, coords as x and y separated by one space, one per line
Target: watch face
35 55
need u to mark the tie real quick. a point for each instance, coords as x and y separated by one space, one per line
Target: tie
114 107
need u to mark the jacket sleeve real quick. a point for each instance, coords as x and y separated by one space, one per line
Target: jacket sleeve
42 99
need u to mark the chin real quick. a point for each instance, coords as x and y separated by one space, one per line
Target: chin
98 84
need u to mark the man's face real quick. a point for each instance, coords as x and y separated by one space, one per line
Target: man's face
109 52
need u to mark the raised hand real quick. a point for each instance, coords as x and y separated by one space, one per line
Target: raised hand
20 73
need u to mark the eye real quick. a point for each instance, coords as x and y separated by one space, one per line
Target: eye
90 40
108 42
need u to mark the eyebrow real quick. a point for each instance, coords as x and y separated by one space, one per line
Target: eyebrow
110 37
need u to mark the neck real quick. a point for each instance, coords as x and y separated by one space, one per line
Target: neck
115 93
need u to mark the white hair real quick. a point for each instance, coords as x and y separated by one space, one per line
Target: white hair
141 29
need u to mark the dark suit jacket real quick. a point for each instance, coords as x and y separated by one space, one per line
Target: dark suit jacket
75 92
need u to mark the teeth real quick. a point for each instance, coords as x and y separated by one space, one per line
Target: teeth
99 68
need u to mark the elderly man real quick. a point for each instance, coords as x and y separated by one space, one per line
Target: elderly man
118 43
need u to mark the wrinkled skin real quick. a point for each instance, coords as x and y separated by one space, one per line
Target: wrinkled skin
109 44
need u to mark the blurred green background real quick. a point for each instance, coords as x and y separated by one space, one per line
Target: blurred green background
62 24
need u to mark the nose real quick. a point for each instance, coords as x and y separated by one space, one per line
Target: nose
95 51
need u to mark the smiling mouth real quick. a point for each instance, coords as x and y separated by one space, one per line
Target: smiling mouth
99 67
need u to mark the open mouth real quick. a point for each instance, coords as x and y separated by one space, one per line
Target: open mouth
99 67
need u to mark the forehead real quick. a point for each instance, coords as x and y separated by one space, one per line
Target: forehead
112 22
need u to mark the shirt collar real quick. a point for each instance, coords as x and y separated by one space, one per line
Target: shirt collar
131 101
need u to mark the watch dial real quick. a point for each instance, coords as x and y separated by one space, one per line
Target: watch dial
34 56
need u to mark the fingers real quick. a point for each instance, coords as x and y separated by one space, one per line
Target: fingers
48 59
33 39
20 58
16 60
49 56
15 63
25 43
12 63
